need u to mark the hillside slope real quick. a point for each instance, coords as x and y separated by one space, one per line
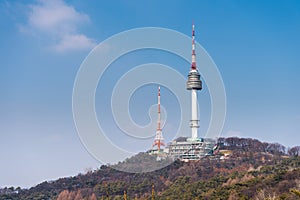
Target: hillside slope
242 169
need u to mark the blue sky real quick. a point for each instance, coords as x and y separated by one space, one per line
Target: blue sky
255 45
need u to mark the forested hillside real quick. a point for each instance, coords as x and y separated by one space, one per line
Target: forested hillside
240 169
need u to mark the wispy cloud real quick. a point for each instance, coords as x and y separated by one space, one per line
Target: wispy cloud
74 42
233 133
59 23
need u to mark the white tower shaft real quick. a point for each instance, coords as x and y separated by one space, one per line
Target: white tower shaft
194 120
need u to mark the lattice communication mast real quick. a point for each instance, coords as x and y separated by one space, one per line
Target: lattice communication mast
159 140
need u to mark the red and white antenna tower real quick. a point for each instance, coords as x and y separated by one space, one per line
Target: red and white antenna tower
159 140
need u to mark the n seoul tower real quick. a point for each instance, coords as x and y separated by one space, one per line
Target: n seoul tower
194 83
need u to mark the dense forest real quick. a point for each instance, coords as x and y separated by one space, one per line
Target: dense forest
240 169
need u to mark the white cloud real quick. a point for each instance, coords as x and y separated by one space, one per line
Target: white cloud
59 23
73 42
233 133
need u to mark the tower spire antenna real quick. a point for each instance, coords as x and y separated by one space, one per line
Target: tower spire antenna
194 66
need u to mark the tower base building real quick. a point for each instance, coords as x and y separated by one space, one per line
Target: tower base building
187 150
